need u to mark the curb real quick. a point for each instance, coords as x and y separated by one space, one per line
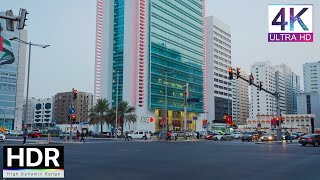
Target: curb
277 142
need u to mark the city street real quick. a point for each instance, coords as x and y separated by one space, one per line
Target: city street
189 160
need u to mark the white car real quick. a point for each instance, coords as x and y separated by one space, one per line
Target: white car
237 135
138 135
222 137
2 137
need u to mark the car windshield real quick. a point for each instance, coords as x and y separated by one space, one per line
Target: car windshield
268 134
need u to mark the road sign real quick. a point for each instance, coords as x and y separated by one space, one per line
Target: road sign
193 100
72 110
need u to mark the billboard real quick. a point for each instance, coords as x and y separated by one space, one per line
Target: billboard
9 56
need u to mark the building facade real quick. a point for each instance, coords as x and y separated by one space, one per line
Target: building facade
240 100
29 115
142 46
280 80
12 74
295 92
218 48
61 106
42 113
311 77
309 103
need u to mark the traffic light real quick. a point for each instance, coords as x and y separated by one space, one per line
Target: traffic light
74 117
278 121
22 19
251 79
238 73
10 25
75 93
230 73
260 85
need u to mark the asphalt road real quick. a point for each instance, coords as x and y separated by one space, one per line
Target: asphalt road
190 160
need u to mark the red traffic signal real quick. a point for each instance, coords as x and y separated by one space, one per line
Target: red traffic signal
251 79
230 73
73 116
260 85
238 72
75 93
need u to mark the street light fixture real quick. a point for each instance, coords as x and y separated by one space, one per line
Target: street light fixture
30 44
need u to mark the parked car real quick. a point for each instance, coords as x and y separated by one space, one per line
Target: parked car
237 135
138 134
268 137
2 137
250 136
313 139
63 135
35 133
210 136
300 134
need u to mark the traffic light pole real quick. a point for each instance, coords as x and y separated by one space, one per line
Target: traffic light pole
277 96
72 101
185 110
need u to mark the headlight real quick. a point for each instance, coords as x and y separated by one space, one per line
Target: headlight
262 137
270 137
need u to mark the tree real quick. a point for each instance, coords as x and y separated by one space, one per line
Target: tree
125 114
100 113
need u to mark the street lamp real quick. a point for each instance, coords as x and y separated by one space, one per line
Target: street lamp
166 72
30 44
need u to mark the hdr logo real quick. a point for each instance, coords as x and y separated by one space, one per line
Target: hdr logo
33 162
290 23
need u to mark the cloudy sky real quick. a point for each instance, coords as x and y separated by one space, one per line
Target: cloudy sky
69 27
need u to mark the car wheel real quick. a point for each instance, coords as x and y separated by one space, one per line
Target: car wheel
261 140
230 139
316 143
242 140
130 138
221 139
304 144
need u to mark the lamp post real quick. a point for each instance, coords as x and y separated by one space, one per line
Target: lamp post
30 44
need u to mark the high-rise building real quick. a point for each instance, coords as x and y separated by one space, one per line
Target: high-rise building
311 76
292 88
309 103
151 44
280 80
240 99
62 102
218 48
12 74
29 119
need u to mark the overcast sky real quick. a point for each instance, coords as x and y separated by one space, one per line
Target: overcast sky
69 27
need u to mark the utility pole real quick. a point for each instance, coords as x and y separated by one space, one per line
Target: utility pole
71 120
116 128
185 109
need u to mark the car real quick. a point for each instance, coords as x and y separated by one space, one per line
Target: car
300 134
237 135
223 137
63 134
2 137
313 139
210 136
250 136
138 134
268 137
294 135
13 132
34 133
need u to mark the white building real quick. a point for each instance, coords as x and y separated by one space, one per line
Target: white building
311 74
151 44
29 119
219 89
309 103
240 99
280 80
42 112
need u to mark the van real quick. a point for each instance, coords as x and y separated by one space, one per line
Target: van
138 134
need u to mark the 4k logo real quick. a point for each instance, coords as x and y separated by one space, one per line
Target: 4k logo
290 23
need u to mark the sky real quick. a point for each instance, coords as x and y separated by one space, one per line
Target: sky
69 26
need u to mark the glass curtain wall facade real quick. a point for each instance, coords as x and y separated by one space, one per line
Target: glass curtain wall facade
176 47
9 59
118 50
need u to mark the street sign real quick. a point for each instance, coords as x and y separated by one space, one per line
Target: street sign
72 110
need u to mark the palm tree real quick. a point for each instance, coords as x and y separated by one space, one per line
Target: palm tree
100 113
125 114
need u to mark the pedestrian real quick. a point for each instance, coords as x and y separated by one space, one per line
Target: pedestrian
78 135
82 137
25 134
145 135
169 135
126 136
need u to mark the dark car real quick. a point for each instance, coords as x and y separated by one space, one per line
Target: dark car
268 137
250 136
313 139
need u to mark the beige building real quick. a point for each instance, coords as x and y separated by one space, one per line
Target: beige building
240 100
62 102
294 122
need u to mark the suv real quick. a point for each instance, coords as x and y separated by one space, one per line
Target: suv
250 136
138 134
